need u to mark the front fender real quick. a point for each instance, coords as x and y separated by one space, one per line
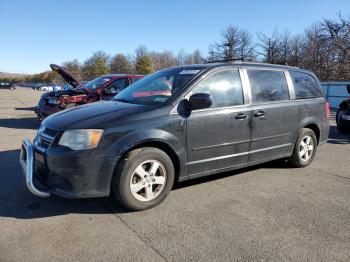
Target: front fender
136 138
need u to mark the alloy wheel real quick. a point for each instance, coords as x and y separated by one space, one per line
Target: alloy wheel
148 180
306 148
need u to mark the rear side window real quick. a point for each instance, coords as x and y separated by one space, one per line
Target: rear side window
305 86
268 85
224 87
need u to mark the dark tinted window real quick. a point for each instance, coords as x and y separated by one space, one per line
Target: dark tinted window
305 86
224 87
268 85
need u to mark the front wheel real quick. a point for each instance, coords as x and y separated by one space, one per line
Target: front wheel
143 179
304 149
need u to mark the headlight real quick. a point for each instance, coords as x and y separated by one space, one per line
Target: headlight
80 139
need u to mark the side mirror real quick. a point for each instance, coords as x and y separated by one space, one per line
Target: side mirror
200 101
348 88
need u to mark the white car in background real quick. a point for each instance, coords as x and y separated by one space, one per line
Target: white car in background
50 88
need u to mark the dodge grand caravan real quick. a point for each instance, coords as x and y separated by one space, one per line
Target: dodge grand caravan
191 121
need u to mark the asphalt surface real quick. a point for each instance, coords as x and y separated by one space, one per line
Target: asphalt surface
267 213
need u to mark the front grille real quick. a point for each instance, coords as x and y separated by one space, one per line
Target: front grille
46 137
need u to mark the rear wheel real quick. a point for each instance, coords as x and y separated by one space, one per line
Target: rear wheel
143 179
304 149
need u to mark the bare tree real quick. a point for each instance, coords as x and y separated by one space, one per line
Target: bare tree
163 59
245 48
269 47
235 43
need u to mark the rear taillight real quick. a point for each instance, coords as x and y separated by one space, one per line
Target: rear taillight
328 110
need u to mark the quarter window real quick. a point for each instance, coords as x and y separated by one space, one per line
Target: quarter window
305 86
224 87
268 85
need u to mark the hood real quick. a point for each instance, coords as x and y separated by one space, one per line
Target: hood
65 74
94 115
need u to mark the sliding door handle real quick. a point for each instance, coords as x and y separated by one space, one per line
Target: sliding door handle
241 116
259 114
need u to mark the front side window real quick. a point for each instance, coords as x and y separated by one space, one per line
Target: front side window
159 87
224 87
268 85
305 86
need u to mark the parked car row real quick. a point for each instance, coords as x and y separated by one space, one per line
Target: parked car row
10 86
173 125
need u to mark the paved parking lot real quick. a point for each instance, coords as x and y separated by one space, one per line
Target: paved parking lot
266 213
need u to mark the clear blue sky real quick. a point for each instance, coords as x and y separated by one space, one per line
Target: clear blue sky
35 33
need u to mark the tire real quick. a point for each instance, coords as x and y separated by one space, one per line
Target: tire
298 159
340 126
134 178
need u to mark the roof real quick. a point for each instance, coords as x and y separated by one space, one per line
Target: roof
246 64
255 64
239 63
122 75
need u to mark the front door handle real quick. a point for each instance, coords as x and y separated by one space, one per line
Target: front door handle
259 114
241 116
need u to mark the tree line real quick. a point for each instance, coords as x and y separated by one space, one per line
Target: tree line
323 48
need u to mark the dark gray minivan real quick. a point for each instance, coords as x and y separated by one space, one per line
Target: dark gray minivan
174 125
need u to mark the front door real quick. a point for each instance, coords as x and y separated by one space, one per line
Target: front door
274 115
218 138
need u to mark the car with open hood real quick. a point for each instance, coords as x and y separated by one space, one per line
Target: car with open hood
177 124
102 88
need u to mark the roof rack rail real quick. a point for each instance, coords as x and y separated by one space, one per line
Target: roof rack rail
225 60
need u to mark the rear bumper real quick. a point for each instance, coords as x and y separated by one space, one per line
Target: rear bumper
27 163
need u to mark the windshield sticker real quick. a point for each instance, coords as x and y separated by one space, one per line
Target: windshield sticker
189 72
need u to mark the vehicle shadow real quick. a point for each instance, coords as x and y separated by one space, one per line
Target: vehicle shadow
20 123
337 137
25 108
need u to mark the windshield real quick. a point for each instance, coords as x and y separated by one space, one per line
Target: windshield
159 87
96 83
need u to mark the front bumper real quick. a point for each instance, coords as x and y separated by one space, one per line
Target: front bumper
66 173
43 110
27 163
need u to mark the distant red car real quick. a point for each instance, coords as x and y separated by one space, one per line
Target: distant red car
102 88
